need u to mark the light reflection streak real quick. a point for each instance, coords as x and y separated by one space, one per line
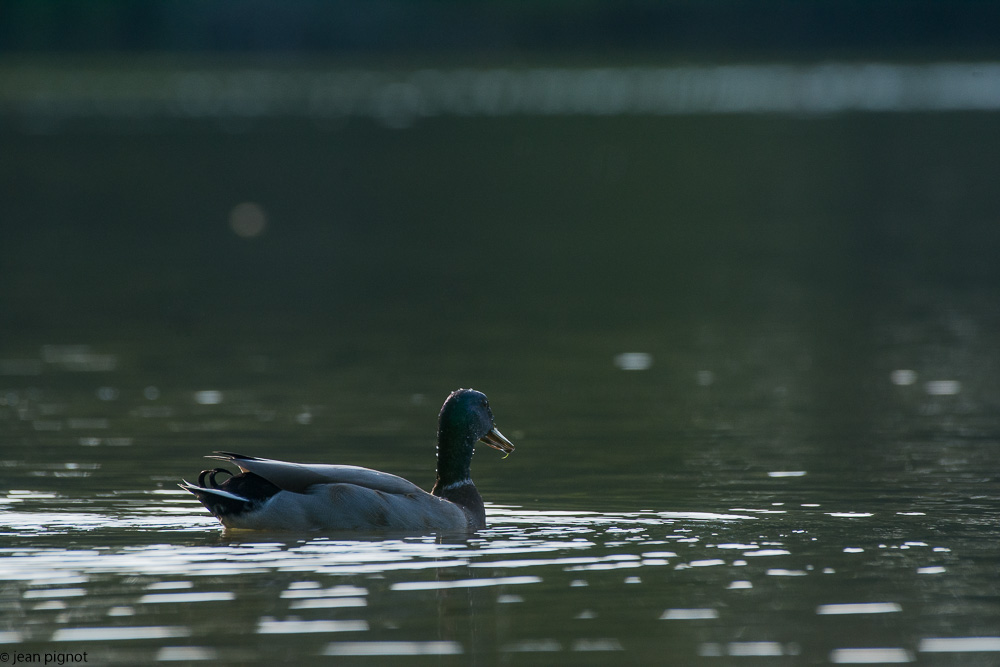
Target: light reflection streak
373 568
608 644
463 583
294 627
399 98
169 585
532 646
393 648
52 523
536 562
187 598
755 649
298 590
870 656
959 645
859 608
328 603
689 614
185 654
118 633
597 567
54 593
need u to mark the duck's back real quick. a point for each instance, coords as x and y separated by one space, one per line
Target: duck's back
300 477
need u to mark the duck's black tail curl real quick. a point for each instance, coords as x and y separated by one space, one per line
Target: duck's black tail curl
211 474
240 493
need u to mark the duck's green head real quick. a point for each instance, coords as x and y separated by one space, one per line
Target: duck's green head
465 419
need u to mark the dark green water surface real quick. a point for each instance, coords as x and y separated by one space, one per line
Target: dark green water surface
795 462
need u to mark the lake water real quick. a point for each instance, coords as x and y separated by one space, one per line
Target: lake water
749 363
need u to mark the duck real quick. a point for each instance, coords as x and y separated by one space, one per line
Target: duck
273 495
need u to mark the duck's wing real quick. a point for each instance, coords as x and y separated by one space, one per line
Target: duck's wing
298 477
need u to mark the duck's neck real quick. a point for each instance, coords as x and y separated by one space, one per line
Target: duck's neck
454 480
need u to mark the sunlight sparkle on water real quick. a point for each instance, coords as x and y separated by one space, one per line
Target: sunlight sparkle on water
533 550
394 648
118 633
463 583
689 614
208 397
859 608
634 361
327 603
960 645
533 646
870 656
54 593
185 654
943 387
272 627
169 585
903 377
311 589
187 598
747 649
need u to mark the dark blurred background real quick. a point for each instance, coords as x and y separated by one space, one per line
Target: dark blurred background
163 172
729 29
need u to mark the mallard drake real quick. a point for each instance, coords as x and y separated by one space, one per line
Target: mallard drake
275 495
